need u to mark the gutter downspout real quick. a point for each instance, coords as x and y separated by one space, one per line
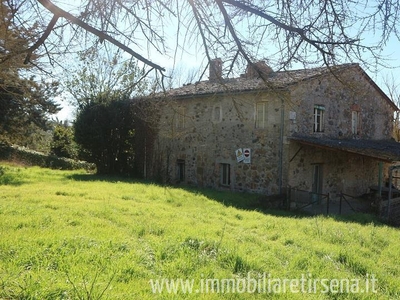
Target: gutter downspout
380 179
391 169
390 192
145 159
280 166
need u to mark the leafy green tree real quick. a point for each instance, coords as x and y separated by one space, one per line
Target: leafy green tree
63 144
101 79
105 132
27 104
25 101
105 124
37 139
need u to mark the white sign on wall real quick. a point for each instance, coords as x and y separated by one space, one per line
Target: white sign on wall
247 155
239 155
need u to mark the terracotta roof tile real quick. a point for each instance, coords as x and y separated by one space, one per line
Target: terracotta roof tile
280 79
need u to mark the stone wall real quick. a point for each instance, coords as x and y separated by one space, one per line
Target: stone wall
339 99
342 172
203 132
216 126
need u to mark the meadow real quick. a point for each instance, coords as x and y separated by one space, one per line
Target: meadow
73 235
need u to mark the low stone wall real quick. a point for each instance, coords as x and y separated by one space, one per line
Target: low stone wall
34 158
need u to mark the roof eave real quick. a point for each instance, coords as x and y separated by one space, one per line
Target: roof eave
385 157
379 90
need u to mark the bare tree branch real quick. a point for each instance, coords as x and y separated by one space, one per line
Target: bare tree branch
42 38
301 32
232 31
199 23
62 13
284 33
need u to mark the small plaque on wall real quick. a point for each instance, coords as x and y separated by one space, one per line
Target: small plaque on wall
239 155
247 155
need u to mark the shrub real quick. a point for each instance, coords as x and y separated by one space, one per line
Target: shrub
106 134
6 177
63 144
34 158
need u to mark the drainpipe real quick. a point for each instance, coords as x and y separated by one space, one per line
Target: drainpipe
280 166
380 177
391 169
145 159
390 191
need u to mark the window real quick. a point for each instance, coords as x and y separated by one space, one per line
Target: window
225 174
217 114
261 115
181 170
319 118
180 118
355 122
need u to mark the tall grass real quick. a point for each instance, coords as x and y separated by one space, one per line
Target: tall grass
70 235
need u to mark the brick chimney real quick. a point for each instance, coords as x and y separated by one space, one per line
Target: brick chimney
215 69
258 70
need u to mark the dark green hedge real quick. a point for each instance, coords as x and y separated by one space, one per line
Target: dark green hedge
33 158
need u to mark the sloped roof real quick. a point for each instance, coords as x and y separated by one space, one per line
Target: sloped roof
384 150
280 79
275 80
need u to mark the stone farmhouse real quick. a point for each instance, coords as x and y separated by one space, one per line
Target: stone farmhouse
324 130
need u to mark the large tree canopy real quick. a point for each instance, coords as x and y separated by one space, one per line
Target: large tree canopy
283 33
105 132
101 79
25 101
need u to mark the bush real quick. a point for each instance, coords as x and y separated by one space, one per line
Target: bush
6 177
106 134
34 158
63 144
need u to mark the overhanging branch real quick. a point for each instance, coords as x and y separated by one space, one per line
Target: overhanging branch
232 31
42 38
64 14
199 23
301 32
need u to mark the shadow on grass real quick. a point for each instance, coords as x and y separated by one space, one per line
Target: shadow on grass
10 176
106 178
272 205
12 182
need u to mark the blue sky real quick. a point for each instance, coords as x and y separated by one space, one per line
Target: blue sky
382 74
188 62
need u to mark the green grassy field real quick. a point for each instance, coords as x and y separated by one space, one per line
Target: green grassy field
72 235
